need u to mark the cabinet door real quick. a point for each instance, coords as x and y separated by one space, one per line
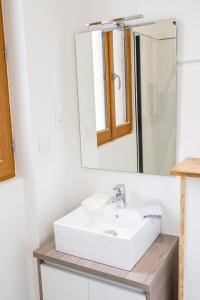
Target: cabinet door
103 291
59 284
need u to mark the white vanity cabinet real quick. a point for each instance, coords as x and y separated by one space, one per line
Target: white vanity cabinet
60 284
99 290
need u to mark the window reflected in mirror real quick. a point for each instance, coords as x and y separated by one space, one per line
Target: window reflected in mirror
112 84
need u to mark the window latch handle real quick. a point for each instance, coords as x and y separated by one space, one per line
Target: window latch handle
117 77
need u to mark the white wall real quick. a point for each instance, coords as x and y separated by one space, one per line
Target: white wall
49 31
190 146
55 182
17 198
13 272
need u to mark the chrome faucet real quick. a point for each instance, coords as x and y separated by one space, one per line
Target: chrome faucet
120 197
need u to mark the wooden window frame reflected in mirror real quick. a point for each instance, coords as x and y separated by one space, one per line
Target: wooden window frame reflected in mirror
105 135
114 131
7 166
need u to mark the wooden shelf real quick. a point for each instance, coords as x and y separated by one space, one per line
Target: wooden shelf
188 167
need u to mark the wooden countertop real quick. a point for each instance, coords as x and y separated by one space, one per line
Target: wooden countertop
144 275
188 167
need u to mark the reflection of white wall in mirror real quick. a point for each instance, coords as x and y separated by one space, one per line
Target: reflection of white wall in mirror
99 84
119 69
149 103
160 29
158 72
84 54
120 154
167 96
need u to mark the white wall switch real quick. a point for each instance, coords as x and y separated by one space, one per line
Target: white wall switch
44 144
58 110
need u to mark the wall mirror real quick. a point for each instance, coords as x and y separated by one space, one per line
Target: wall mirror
127 97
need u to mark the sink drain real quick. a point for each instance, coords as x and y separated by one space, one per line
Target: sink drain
111 232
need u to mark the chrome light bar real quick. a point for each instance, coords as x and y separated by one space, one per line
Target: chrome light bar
117 21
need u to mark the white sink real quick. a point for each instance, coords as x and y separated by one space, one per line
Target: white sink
104 238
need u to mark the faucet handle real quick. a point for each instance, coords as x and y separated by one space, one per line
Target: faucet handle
120 188
120 197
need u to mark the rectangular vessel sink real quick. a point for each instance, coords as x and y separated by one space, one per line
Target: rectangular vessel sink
104 237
